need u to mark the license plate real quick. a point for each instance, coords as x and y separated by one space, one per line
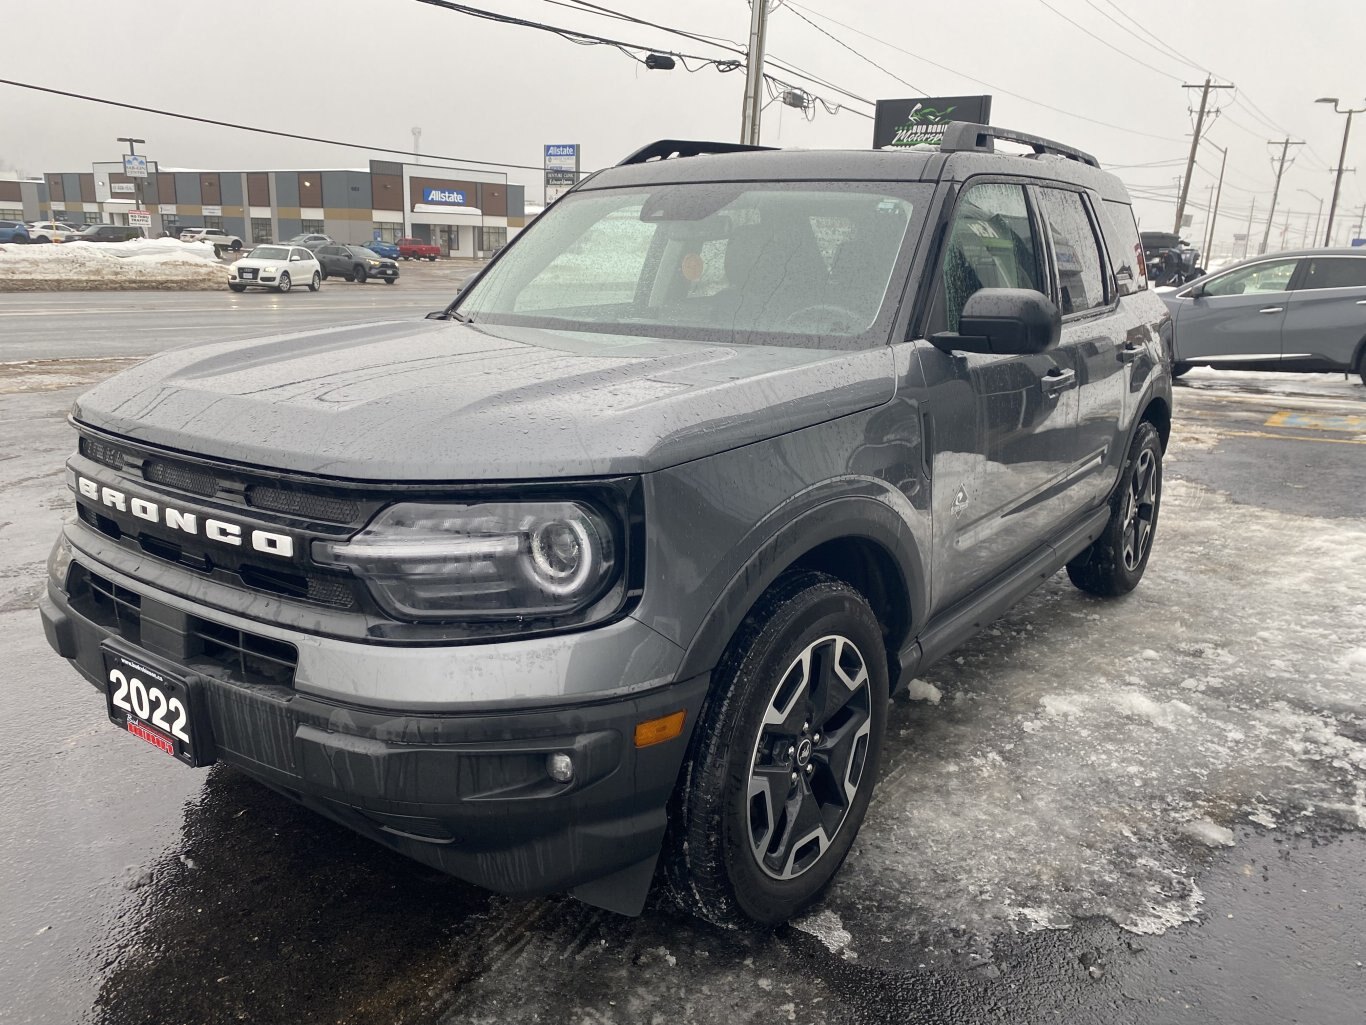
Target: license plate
153 705
248 273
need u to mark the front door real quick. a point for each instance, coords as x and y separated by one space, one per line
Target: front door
1238 316
1000 427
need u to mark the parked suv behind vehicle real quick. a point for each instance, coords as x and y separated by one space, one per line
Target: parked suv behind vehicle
614 563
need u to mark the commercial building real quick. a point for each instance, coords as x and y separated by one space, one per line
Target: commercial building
467 212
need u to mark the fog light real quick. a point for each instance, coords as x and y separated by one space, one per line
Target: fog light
560 766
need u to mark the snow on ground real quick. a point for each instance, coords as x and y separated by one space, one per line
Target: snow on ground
139 263
1087 755
1256 382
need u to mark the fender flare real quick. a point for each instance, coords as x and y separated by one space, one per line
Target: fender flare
867 517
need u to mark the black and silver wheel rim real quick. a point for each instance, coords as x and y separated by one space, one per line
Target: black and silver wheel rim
808 759
1140 510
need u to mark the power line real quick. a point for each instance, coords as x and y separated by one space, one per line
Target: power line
856 53
583 7
1126 129
1124 28
1106 42
1173 51
260 131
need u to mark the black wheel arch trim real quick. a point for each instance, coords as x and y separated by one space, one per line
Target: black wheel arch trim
865 518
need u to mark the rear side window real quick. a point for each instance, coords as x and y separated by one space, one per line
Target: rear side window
1126 250
990 245
1081 281
1334 272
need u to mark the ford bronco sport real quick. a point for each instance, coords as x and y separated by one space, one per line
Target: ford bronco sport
605 573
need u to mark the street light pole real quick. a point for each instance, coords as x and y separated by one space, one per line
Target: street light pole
1318 216
1214 213
754 73
1342 159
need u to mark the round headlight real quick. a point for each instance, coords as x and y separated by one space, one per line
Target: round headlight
562 555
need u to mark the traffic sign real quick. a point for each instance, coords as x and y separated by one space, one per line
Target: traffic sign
139 219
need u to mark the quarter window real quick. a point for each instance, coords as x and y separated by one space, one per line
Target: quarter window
1273 276
1334 272
991 245
1081 282
1126 251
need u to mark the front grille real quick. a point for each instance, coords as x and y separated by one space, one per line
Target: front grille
301 503
212 648
182 478
110 455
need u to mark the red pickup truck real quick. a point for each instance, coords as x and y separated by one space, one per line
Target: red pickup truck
416 249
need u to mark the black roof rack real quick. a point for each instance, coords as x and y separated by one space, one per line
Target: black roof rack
665 149
966 137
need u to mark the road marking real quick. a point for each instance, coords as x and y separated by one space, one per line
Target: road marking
1310 422
1294 437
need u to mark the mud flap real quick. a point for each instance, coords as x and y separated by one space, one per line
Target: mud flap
623 891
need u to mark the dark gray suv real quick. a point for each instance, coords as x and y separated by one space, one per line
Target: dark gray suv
605 574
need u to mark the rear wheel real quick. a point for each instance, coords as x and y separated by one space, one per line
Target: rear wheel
783 762
1115 561
236 245
285 284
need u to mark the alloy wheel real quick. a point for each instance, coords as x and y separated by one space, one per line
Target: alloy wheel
1140 506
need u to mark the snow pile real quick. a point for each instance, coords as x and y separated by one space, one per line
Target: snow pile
1088 756
140 263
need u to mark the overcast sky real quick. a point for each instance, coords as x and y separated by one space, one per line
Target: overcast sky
369 70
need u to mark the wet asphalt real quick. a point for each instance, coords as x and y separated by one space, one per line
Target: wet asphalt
135 890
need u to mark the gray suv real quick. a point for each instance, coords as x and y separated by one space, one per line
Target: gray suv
605 574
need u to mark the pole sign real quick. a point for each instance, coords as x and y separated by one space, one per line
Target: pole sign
139 219
134 166
444 197
561 170
921 121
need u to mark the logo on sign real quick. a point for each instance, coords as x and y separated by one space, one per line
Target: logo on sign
135 166
453 197
561 151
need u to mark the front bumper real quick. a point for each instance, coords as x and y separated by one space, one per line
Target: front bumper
464 790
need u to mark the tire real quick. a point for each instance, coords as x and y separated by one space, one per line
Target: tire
237 288
323 272
285 284
41 240
432 259
391 281
358 274
20 240
733 853
218 251
236 245
1115 561
316 282
1361 364
1180 369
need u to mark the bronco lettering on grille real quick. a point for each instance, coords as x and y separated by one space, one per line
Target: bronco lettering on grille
221 531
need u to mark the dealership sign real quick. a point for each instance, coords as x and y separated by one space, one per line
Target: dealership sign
448 197
135 166
122 187
921 121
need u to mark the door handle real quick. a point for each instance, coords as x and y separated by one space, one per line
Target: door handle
1129 353
1056 381
1272 309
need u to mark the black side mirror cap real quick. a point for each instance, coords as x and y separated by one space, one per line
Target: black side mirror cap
1004 322
436 315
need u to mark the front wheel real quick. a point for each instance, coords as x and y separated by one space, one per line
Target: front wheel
1361 364
1115 561
316 283
238 288
285 284
782 764
1180 369
358 274
390 281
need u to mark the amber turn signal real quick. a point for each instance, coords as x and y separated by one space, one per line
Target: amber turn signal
656 731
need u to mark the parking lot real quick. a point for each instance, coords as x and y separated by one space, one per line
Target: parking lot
1143 810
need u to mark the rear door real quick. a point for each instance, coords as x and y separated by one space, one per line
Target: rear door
1325 317
1238 316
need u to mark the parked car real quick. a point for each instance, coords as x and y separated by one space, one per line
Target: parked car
221 240
276 267
1297 311
614 563
14 231
309 240
416 249
106 233
50 231
355 263
385 249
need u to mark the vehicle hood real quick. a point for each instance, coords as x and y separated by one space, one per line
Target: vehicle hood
259 262
444 401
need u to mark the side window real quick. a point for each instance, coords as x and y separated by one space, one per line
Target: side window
1126 251
991 244
1273 276
1334 272
1081 281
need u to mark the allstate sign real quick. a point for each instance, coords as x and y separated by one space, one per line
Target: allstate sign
451 197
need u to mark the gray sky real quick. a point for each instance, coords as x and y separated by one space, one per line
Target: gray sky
368 70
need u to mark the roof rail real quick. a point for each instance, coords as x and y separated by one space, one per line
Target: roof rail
966 137
665 149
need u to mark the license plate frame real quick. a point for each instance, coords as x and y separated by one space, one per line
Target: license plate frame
247 274
171 699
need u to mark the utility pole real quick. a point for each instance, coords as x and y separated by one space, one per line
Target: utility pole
754 73
1247 239
1218 192
1342 159
1195 145
1275 192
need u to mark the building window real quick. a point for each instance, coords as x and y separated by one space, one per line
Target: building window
10 214
311 228
260 229
213 222
389 231
170 224
490 240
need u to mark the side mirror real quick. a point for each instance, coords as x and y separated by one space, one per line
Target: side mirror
436 315
1004 322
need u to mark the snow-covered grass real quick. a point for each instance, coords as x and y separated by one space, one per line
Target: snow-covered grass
101 266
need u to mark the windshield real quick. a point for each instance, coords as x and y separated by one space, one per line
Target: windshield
736 263
362 252
301 238
270 253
